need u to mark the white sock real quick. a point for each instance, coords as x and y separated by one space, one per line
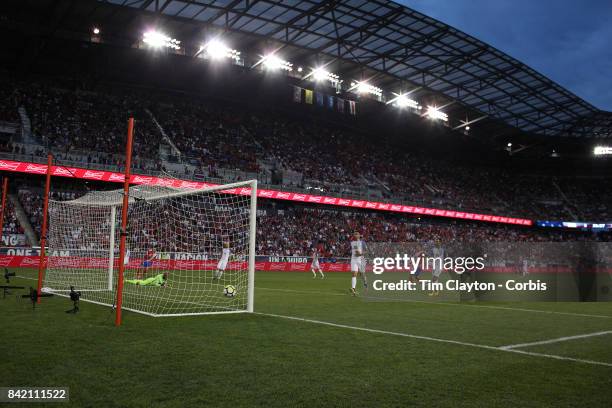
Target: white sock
353 282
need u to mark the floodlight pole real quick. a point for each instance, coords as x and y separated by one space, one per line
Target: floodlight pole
43 232
124 212
4 190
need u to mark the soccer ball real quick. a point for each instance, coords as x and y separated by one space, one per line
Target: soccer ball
229 290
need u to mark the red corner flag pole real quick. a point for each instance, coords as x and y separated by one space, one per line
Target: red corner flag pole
124 212
4 191
43 232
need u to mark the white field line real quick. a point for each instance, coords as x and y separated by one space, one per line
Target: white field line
434 339
558 340
508 349
515 309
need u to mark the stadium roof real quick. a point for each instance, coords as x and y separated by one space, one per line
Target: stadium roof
393 47
401 43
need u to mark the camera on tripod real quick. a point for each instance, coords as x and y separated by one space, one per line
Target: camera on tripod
8 275
75 296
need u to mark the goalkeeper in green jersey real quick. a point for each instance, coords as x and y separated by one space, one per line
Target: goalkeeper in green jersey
157 280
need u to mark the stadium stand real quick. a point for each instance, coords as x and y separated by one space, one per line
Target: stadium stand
285 229
85 124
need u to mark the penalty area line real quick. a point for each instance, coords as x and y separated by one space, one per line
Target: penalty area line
434 339
513 309
557 340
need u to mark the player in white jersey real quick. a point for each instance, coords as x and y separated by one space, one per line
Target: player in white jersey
525 267
315 266
438 254
358 264
225 254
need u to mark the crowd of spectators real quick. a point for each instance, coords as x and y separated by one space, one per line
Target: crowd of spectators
11 224
32 203
88 123
295 230
228 136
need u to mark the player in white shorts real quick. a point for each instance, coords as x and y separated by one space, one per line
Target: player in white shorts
225 254
358 264
315 266
438 253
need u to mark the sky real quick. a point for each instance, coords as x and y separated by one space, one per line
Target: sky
568 41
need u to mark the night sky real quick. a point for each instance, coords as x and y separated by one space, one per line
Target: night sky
569 41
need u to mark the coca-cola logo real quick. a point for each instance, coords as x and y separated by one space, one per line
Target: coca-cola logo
96 175
8 165
64 172
29 261
164 182
142 180
36 168
6 260
189 184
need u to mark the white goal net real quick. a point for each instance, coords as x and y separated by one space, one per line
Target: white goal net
188 251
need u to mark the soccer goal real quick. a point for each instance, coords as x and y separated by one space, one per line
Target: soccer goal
183 249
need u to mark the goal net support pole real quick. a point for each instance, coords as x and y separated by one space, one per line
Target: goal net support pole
124 213
252 234
4 192
111 247
43 232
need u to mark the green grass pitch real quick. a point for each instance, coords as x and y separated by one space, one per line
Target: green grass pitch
322 348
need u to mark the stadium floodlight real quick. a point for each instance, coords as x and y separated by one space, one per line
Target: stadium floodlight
602 151
321 74
509 144
402 101
364 87
436 114
467 128
300 69
96 30
216 50
157 39
273 62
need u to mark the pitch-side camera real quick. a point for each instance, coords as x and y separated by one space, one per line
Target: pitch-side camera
75 296
8 275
